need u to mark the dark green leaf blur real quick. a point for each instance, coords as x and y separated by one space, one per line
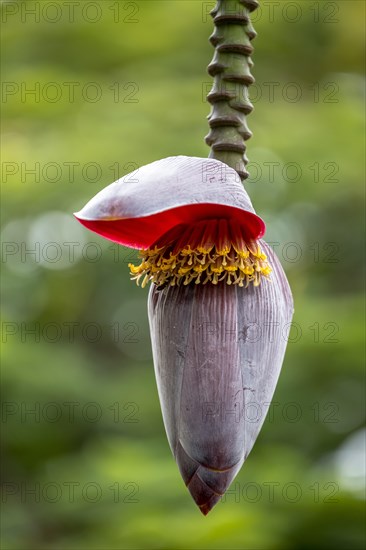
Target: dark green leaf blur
91 91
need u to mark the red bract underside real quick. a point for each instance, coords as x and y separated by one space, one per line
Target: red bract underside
142 232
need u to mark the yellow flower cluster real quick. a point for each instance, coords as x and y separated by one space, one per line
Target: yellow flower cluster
210 251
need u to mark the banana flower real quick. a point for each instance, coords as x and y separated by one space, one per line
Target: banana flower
219 308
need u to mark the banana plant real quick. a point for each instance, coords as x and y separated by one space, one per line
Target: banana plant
219 303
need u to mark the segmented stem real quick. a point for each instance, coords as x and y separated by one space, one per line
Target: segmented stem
230 68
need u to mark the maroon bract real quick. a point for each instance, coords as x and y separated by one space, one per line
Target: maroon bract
140 207
218 352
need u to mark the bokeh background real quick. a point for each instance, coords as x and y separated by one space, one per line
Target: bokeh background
116 85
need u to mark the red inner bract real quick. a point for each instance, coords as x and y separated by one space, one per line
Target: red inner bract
142 232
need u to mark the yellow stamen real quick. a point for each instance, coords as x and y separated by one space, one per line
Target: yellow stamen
212 249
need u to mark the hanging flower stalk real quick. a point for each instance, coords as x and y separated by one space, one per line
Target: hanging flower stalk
231 69
219 303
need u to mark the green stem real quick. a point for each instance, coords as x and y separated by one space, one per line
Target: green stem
229 96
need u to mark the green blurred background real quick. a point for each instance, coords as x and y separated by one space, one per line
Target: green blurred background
116 85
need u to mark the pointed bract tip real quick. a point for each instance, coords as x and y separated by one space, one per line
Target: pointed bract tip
203 495
206 485
79 217
206 508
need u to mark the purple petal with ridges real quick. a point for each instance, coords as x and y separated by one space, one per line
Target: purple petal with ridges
217 351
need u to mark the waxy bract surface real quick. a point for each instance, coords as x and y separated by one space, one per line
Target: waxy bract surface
218 351
140 207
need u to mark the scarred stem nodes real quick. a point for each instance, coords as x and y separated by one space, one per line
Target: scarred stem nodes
210 251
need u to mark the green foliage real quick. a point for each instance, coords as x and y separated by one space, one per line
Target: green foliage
91 344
